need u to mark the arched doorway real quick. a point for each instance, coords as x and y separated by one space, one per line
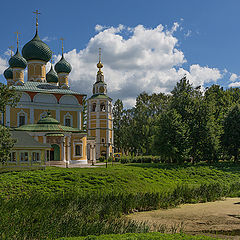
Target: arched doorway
55 153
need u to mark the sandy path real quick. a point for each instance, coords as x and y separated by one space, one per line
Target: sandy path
220 215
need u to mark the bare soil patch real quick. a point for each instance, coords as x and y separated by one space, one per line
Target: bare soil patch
221 217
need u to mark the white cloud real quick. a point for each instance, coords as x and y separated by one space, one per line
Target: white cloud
48 39
233 77
99 28
147 60
235 84
3 65
188 33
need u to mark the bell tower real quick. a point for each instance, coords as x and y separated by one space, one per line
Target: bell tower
99 109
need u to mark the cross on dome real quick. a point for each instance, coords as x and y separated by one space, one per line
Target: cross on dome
17 38
37 13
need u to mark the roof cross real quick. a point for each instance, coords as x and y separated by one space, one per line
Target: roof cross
62 39
37 13
17 38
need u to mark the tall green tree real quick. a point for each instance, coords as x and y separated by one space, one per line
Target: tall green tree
231 135
117 121
8 97
170 141
196 114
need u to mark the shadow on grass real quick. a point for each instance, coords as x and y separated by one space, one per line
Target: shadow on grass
222 166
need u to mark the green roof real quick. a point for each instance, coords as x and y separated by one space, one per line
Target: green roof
48 124
63 66
24 140
45 88
48 120
17 61
8 73
36 49
54 135
100 96
52 76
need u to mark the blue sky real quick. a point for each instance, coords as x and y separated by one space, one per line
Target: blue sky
206 34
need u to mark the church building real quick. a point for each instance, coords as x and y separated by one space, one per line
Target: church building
51 112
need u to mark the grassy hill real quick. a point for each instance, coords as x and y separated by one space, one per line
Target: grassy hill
142 236
79 202
119 178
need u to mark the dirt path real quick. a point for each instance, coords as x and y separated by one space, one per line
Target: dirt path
221 216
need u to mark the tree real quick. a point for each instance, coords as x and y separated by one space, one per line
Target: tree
170 141
196 115
8 96
231 135
117 119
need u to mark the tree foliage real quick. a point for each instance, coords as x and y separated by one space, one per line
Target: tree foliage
231 135
187 124
8 97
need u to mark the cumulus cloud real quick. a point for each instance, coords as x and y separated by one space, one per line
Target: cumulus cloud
233 77
3 65
148 59
235 84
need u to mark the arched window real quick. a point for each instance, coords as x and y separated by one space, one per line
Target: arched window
78 150
68 120
93 107
22 118
102 107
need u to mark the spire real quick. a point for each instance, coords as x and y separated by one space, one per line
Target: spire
62 39
100 65
11 48
37 13
17 39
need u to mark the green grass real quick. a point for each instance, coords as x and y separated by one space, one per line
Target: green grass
141 236
119 179
80 202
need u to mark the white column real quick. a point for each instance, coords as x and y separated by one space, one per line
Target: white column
58 114
63 149
79 118
69 149
44 139
31 120
8 116
107 132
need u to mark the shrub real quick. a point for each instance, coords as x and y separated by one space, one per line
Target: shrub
101 159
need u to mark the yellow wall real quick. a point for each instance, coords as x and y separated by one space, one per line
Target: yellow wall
93 116
36 70
82 140
103 123
93 133
37 113
103 134
13 115
74 117
40 139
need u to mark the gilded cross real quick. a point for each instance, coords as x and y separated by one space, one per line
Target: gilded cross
37 13
17 38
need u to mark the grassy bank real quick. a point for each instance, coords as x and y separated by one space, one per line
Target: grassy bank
142 236
79 202
119 179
